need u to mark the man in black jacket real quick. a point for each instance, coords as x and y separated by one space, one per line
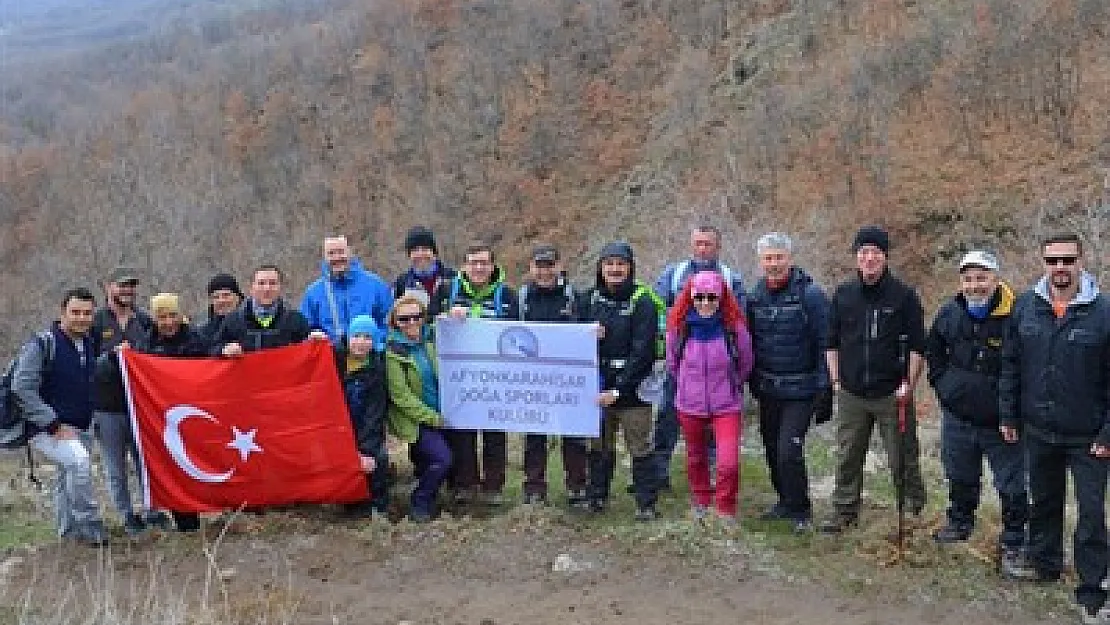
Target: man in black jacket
224 297
480 291
874 354
548 297
263 321
964 352
628 323
1054 393
788 318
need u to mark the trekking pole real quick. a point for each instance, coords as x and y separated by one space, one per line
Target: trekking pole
900 438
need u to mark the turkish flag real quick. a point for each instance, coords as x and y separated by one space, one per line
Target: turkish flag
269 428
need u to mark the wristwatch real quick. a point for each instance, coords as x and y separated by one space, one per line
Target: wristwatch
616 393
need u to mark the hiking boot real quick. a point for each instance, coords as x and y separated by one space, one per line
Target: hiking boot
646 513
157 519
491 499
952 533
1013 566
577 501
699 513
1094 616
535 499
421 516
837 524
598 506
776 512
92 535
465 496
802 526
133 525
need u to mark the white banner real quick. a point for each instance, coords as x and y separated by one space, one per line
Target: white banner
516 376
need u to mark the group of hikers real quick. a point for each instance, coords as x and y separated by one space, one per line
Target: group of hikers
1021 379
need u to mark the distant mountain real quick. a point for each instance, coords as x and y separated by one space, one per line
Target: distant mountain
34 29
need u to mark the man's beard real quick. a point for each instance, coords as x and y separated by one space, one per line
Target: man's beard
1062 280
123 301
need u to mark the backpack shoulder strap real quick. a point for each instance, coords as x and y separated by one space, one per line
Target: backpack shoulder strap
676 279
454 292
498 295
522 301
572 304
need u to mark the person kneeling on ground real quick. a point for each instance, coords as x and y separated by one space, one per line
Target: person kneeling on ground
362 370
414 406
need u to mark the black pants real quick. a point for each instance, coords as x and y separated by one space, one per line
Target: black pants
783 425
535 464
1049 462
467 473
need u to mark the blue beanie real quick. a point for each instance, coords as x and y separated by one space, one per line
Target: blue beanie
363 324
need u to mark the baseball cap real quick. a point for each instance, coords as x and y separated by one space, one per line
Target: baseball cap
120 275
545 254
979 258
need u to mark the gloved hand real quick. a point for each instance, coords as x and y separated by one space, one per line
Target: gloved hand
823 406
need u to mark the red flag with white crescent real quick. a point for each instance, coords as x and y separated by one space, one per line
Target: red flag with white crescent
269 428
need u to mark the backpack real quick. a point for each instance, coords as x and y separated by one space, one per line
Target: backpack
643 290
522 299
456 284
10 414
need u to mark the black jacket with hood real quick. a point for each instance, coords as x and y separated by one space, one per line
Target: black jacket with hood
627 350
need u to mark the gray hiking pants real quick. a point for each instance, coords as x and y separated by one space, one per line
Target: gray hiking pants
75 508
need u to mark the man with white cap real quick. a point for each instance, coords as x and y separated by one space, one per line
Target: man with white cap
964 353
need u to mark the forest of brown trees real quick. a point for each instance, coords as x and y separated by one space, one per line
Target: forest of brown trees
220 142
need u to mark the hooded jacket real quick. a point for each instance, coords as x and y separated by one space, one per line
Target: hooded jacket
407 409
482 302
627 351
965 356
355 292
708 382
1055 379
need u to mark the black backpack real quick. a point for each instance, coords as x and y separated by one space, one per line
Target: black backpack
10 412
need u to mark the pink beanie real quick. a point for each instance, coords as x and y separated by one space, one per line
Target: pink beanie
707 282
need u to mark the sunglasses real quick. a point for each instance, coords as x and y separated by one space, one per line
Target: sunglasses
705 297
1066 261
406 319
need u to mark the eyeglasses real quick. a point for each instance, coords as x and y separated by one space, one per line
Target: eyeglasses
407 319
705 297
1066 261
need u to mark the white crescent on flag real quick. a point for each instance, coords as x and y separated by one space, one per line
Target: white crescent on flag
172 437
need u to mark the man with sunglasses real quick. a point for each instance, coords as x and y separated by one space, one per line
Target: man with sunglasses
1054 395
874 353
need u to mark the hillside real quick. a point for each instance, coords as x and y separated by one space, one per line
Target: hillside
216 147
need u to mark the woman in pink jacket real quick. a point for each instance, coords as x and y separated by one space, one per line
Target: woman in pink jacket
709 353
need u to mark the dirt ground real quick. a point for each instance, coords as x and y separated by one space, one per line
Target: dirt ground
521 568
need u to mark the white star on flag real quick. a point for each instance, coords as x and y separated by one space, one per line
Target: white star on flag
244 443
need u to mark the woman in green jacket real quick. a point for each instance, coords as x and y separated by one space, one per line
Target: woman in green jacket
414 412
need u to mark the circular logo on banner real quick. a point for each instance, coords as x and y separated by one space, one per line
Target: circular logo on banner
518 342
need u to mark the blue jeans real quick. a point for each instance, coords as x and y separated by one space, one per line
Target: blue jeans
432 457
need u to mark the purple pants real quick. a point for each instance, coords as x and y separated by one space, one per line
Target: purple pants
433 462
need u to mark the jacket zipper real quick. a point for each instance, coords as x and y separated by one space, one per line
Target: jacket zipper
872 332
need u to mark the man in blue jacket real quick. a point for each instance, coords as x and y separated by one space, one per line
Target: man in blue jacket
344 291
52 383
1054 394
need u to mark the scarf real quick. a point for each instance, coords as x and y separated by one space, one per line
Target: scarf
704 328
